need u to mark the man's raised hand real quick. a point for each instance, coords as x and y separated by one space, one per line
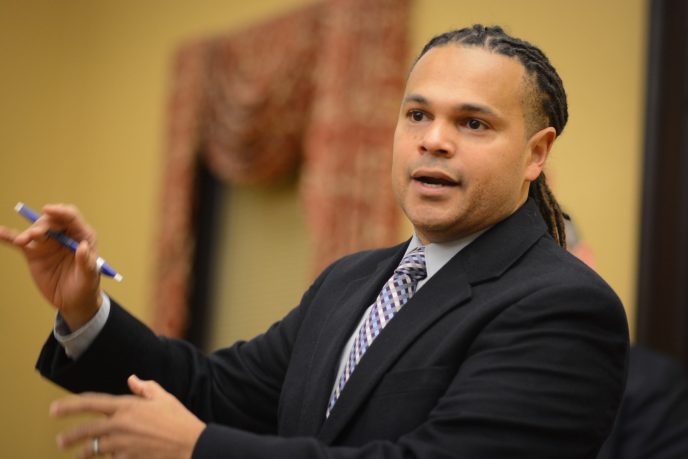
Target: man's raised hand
69 281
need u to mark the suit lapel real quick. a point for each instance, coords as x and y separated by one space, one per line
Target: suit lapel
496 251
445 291
339 326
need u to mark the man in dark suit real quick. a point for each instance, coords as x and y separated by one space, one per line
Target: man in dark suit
478 338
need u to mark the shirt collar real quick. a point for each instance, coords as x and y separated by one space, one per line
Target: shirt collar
438 254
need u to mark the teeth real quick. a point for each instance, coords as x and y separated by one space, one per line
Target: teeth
433 181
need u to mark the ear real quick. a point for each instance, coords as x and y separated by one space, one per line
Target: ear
538 149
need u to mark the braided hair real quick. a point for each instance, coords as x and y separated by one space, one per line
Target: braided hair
546 100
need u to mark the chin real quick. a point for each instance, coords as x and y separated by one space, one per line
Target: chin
431 215
433 227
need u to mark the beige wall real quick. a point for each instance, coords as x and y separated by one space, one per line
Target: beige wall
82 94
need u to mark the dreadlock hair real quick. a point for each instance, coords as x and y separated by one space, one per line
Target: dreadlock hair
546 100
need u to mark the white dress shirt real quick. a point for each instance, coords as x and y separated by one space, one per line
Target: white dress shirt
436 256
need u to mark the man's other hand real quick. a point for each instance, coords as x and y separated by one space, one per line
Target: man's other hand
150 424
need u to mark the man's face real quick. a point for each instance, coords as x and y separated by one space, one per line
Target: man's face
462 157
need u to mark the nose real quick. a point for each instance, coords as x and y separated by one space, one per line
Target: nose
437 139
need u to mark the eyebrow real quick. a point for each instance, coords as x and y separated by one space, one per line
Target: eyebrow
472 108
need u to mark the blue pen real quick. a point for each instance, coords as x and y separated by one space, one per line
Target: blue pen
67 241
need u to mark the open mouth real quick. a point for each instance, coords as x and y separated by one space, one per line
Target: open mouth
434 181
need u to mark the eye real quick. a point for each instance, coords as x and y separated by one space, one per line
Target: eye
416 115
475 124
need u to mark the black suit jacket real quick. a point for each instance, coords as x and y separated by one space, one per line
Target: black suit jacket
513 349
653 419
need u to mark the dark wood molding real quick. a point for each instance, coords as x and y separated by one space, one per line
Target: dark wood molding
662 319
208 196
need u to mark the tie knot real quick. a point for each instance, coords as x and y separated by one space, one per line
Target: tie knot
413 264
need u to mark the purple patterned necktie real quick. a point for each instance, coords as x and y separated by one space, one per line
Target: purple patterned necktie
395 293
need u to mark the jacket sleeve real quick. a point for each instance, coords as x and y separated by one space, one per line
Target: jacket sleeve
237 386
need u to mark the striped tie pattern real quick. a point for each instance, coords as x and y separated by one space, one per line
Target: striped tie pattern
395 293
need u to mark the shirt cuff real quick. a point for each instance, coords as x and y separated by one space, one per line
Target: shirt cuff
75 343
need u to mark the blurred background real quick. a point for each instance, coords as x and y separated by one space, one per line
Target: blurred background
84 111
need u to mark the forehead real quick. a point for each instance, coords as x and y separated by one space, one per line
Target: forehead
455 75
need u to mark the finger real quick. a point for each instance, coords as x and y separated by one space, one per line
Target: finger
84 432
36 232
63 213
87 404
21 240
107 445
87 450
67 218
8 235
146 389
86 258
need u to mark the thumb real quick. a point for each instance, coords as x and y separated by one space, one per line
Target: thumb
146 389
86 257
